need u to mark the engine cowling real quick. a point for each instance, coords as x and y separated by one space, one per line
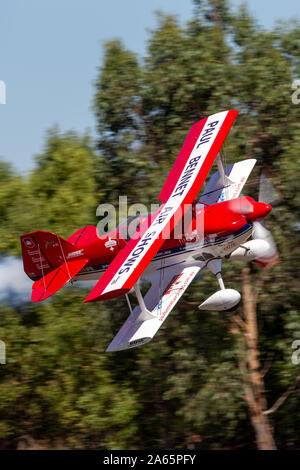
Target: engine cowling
223 299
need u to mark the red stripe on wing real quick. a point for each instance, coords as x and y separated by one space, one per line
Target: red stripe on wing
181 160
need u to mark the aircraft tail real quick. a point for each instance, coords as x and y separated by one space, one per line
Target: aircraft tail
43 252
49 261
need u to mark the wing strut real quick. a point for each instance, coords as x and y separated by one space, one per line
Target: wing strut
145 313
225 180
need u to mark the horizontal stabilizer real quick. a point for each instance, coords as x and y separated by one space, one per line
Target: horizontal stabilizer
53 281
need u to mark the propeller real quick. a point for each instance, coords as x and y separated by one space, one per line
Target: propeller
267 194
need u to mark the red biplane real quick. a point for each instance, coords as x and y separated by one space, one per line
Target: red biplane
168 247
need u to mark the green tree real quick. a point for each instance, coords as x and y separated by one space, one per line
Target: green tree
57 387
224 59
63 183
12 192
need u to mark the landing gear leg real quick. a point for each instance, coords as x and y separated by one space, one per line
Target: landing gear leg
215 266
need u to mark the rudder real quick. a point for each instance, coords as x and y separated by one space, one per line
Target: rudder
43 252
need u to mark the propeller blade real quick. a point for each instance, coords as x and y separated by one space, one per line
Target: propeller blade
267 192
271 257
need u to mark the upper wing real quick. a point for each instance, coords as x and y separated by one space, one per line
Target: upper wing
180 189
160 299
236 177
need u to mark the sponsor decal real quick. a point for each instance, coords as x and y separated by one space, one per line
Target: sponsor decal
74 254
41 267
237 190
176 297
110 244
52 242
28 242
137 341
173 284
38 260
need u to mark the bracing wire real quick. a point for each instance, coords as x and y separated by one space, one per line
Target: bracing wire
64 257
128 302
224 163
161 278
42 266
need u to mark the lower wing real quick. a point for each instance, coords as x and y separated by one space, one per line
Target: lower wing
160 299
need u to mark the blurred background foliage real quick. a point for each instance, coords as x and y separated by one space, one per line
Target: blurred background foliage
185 389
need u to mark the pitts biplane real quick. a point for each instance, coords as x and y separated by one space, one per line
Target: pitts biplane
167 248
